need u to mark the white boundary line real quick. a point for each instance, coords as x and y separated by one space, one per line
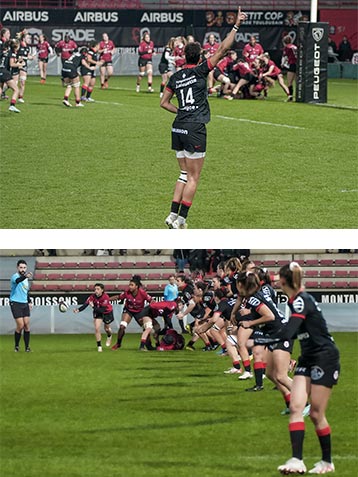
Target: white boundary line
258 122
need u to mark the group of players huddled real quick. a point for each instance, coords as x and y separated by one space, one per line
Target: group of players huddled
247 77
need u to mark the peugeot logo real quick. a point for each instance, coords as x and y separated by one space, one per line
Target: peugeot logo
317 34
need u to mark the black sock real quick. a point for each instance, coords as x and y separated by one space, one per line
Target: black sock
109 334
175 207
99 343
182 325
290 88
258 371
168 322
184 209
324 436
191 343
297 434
121 333
17 338
142 344
27 338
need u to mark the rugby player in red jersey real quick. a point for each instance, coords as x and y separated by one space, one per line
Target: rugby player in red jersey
211 46
289 60
43 51
146 52
135 298
271 72
102 313
179 54
189 85
252 50
106 50
160 309
64 48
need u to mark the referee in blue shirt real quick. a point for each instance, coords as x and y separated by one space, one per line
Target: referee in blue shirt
20 304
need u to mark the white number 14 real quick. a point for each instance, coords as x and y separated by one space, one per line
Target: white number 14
189 97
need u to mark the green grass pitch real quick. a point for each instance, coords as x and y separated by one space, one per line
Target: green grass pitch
270 164
66 410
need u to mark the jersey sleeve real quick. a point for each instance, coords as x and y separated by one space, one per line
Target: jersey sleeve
170 85
204 68
299 308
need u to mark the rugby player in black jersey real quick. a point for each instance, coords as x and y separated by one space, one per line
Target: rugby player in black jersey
192 114
316 373
71 77
9 61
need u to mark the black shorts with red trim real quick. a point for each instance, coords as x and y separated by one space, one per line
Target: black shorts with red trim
69 72
139 314
87 72
107 63
190 137
163 68
44 60
292 68
106 317
286 345
323 368
142 62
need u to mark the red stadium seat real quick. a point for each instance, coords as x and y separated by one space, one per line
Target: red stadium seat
353 273
56 264
99 264
155 264
353 284
125 276
142 264
326 273
38 287
82 276
353 261
341 274
54 276
66 287
327 262
97 276
342 262
112 287
169 265
70 265
43 265
326 284
281 263
127 264
311 284
269 263
85 265
110 276
311 273
154 276
153 287
341 284
312 262
52 286
80 287
40 276
68 276
113 264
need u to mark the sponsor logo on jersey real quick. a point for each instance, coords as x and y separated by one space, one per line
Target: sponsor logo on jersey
303 336
286 344
316 373
298 305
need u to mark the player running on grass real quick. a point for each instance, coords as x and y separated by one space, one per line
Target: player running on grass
102 313
189 127
21 304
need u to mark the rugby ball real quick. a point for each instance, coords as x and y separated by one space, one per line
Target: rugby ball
62 307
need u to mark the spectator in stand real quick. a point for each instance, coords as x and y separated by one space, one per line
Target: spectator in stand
106 50
197 261
181 259
171 290
345 51
65 48
252 50
146 52
43 51
332 51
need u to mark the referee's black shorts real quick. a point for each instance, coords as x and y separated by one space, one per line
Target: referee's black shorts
19 310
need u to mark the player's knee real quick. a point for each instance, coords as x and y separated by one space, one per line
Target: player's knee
315 414
123 324
148 325
226 80
141 73
183 177
76 85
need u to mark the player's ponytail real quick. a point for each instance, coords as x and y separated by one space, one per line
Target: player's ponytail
250 282
293 275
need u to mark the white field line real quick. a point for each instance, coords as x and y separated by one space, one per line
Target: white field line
349 190
336 106
108 102
258 122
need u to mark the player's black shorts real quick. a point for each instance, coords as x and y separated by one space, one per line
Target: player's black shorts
217 73
139 314
163 68
107 63
142 62
106 317
323 368
292 68
190 137
252 79
86 72
44 60
15 71
5 75
19 310
69 72
286 345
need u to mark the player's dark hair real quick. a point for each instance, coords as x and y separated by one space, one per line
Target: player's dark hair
233 264
136 279
192 53
21 262
219 294
202 286
14 44
93 43
99 285
245 264
263 275
293 275
250 282
3 31
287 39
